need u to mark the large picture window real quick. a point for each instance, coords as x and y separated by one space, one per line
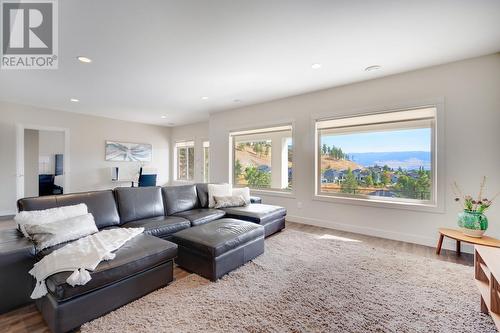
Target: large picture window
262 158
184 153
384 157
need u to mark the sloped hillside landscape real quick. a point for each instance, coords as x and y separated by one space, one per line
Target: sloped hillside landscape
329 162
247 156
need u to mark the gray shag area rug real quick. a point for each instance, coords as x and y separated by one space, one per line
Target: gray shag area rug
313 283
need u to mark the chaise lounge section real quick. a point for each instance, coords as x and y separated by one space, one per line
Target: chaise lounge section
269 216
141 266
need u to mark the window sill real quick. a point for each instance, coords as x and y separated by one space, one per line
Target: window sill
184 181
429 208
273 193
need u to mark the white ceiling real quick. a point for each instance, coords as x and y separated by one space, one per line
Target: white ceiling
158 57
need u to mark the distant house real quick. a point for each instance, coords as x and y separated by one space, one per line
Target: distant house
359 174
394 178
331 176
264 168
413 174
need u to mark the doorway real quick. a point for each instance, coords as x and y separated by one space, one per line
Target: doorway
42 161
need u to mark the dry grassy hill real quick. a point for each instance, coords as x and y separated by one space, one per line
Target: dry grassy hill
248 157
327 161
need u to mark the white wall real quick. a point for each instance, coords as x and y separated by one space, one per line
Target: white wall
471 93
198 133
50 143
88 168
31 154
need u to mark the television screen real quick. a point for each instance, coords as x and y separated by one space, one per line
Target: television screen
59 164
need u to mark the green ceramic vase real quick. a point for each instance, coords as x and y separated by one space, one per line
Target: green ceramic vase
472 223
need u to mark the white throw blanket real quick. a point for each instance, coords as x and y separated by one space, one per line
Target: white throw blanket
80 257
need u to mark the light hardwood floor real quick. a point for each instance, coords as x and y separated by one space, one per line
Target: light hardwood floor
27 319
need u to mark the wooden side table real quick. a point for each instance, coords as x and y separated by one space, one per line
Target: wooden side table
460 237
487 276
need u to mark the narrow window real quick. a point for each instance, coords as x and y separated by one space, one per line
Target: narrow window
206 161
184 152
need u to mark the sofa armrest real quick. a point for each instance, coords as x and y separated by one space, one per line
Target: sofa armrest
17 257
254 199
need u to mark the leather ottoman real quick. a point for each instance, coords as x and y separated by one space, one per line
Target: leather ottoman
216 248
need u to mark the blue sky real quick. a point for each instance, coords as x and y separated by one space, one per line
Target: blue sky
388 141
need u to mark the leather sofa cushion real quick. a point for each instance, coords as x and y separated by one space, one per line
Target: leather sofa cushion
202 191
139 254
201 215
218 237
136 203
258 213
12 241
101 204
179 198
160 226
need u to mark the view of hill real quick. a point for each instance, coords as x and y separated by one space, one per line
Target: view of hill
253 163
329 162
248 157
388 174
407 160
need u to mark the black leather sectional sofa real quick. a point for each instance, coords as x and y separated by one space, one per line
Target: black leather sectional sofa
146 262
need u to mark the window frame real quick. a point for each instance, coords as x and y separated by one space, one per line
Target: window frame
261 129
436 205
187 144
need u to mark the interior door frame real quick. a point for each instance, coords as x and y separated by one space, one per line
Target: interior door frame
20 128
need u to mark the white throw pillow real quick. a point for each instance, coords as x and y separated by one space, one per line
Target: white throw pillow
48 215
231 201
244 192
50 234
220 190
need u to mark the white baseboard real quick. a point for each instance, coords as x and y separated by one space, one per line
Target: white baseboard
399 236
7 212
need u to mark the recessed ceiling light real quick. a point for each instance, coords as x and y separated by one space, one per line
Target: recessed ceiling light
74 100
84 59
316 66
237 101
372 68
163 117
204 98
